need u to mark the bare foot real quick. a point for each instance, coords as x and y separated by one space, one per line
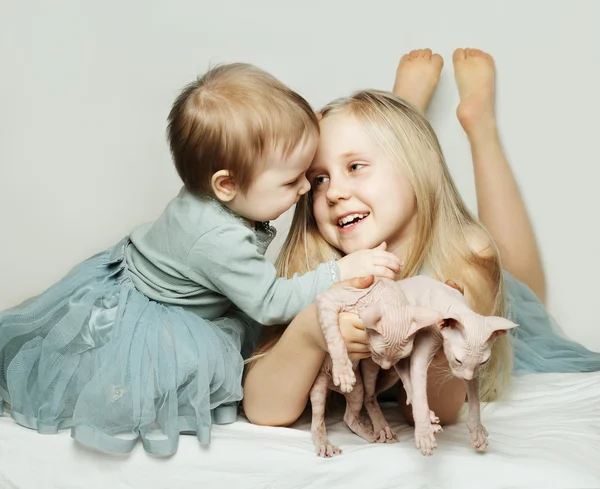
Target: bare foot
474 72
417 76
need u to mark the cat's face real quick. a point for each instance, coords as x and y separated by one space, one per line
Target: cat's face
387 353
468 340
392 330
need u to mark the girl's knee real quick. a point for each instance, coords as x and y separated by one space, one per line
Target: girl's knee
446 394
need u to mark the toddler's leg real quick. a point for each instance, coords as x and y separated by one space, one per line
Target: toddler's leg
417 76
499 202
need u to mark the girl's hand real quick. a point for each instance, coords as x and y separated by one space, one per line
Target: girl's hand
355 336
351 326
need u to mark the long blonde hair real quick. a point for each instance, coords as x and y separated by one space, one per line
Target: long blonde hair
450 243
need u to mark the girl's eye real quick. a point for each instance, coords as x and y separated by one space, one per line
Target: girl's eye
320 180
356 166
293 184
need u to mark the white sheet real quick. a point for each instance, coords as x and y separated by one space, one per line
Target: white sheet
547 434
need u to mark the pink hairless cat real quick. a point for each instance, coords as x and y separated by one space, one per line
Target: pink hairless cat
466 338
391 323
393 313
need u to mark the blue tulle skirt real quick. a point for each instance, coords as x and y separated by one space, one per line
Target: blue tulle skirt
539 344
95 355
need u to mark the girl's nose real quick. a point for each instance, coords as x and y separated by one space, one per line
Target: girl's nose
337 191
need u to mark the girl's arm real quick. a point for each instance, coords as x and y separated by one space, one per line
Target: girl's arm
277 384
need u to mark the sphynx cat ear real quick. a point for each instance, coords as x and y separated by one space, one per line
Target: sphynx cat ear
499 325
454 285
452 321
423 317
371 316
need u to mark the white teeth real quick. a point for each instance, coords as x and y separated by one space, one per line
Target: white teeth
349 218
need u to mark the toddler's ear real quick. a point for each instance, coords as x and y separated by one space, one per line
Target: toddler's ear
223 186
319 115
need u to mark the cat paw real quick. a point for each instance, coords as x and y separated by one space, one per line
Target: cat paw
327 450
425 439
478 437
343 376
386 435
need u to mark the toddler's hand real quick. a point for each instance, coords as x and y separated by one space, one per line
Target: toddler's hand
355 336
376 262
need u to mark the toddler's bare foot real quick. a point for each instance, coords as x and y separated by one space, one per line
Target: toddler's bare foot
417 76
474 73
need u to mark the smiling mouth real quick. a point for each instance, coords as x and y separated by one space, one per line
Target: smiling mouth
351 220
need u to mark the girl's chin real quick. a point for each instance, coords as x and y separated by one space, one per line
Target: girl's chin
356 247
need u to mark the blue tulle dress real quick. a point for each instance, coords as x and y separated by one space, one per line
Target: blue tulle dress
144 339
539 344
94 354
